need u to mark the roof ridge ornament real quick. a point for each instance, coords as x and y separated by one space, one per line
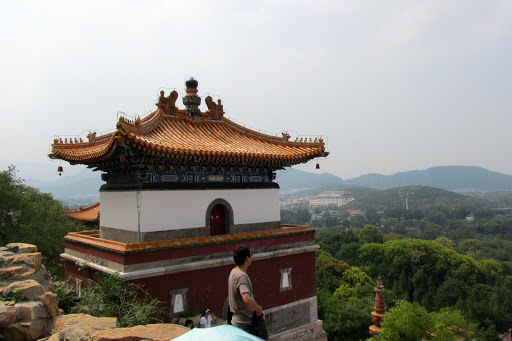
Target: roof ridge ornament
191 99
216 110
91 136
167 104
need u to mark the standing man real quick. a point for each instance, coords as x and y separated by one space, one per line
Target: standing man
241 299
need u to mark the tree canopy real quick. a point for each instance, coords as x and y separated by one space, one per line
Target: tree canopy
28 216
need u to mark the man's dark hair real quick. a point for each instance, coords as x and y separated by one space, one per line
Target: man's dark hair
240 254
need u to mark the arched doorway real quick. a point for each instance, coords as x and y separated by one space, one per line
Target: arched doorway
218 220
219 217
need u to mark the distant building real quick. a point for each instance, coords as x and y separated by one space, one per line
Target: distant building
336 198
355 212
288 204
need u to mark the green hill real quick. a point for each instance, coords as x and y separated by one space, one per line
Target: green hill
417 196
354 190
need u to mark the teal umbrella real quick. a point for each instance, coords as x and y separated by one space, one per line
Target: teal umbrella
223 332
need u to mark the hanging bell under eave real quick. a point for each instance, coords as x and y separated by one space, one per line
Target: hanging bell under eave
60 170
317 166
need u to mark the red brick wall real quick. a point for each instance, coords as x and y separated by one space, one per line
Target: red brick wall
208 287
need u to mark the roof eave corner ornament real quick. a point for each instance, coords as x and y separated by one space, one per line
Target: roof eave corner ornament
167 104
91 136
286 136
216 110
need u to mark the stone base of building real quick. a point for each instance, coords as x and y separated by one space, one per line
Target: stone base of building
309 332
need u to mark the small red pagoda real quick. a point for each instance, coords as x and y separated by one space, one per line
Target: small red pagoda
183 189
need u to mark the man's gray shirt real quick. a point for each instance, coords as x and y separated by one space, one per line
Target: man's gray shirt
238 284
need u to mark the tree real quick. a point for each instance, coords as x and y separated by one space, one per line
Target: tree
370 234
406 321
10 201
348 252
345 320
28 216
436 216
446 242
357 221
372 217
352 279
329 271
450 292
410 321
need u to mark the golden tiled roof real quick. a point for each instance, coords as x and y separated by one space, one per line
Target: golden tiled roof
169 131
86 214
183 136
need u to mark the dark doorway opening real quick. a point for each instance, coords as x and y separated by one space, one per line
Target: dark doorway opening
218 217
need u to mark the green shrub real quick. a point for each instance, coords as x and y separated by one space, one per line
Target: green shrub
67 295
15 296
112 296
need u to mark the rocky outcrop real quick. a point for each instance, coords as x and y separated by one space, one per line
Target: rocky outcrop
26 302
78 327
151 332
29 309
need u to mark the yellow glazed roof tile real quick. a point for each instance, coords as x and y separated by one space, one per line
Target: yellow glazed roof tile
87 214
181 136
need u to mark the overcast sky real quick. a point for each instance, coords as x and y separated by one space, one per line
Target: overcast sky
392 85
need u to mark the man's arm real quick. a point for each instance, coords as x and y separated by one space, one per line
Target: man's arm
251 303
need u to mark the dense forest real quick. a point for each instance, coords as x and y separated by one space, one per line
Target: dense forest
451 272
445 260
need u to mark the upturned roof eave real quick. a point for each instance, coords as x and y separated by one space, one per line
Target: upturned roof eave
135 132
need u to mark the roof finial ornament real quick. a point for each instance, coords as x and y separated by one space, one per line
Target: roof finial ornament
216 109
167 104
191 100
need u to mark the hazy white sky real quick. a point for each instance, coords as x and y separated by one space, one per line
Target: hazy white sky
394 85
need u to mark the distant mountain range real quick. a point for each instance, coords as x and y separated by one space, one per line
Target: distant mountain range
451 178
84 186
295 179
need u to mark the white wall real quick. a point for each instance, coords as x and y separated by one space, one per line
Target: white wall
163 210
119 210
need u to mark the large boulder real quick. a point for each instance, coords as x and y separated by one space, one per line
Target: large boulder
34 259
50 302
16 273
78 327
7 315
29 289
29 311
151 332
25 331
21 248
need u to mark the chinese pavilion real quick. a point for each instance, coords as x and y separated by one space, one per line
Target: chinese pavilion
183 189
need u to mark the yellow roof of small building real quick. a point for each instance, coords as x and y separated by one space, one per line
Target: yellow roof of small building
85 214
